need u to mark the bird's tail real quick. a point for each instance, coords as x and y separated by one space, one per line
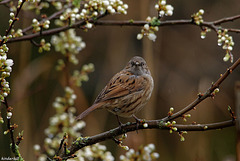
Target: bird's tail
87 111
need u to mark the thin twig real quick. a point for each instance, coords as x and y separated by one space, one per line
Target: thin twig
10 129
4 2
54 15
14 20
61 144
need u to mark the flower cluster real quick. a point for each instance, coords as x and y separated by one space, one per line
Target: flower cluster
5 70
96 151
62 123
80 76
181 135
44 46
197 17
37 26
70 14
143 153
171 127
163 8
36 5
91 9
226 41
96 7
69 45
149 29
17 33
103 6
204 32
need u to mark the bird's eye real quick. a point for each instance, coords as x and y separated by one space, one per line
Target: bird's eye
132 63
142 64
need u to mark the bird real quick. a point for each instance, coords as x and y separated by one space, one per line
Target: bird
126 93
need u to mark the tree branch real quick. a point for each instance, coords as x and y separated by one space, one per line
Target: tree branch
152 124
53 31
207 94
213 25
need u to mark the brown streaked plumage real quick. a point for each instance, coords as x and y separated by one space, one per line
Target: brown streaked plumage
127 92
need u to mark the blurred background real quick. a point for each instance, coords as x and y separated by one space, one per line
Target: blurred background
181 63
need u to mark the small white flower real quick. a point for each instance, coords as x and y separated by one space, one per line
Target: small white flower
9 115
226 58
169 13
48 141
155 155
223 38
109 8
122 157
105 3
125 6
161 13
145 125
8 69
230 48
63 116
89 25
36 147
131 151
34 21
163 2
9 62
146 26
139 36
152 36
84 11
73 96
75 10
169 7
151 146
11 14
47 22
95 13
156 6
112 11
4 57
201 11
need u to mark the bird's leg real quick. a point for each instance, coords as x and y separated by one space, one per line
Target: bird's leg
138 121
119 122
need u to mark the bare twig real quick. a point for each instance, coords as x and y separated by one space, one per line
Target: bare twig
207 94
61 144
9 126
4 2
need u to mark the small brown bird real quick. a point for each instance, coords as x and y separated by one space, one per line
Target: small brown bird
127 92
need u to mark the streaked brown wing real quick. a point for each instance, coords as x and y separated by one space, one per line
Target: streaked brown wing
120 85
